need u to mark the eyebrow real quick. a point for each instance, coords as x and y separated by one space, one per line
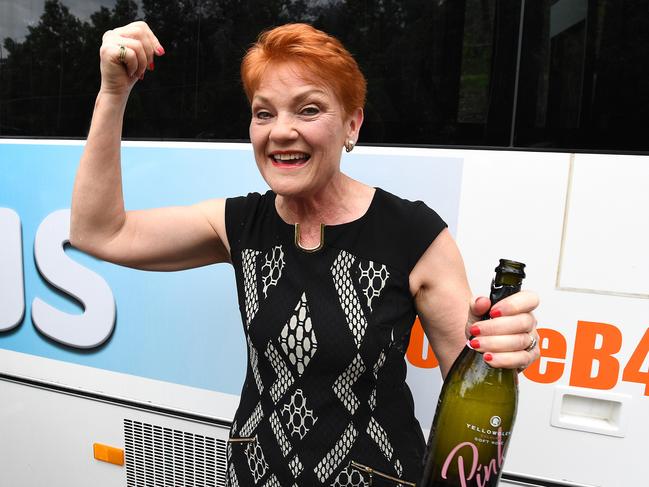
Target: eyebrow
299 97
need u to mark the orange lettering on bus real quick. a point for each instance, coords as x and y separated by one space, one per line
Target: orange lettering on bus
415 351
632 372
586 353
553 346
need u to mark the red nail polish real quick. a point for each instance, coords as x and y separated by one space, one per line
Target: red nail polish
488 357
151 67
495 313
474 330
160 51
474 344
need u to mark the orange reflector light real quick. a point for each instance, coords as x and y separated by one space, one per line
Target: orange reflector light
108 454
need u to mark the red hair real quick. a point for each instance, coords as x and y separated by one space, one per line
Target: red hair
323 58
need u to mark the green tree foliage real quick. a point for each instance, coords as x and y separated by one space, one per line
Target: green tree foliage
409 50
42 73
49 80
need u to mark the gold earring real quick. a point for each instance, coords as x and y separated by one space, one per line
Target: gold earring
349 145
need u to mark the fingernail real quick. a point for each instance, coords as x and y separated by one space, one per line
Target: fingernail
151 67
474 344
474 330
488 357
159 50
495 313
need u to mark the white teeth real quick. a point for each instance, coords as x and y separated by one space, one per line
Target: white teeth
289 157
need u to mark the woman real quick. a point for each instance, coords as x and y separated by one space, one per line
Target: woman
330 272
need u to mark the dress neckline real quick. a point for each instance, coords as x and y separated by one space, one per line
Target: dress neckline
328 233
358 220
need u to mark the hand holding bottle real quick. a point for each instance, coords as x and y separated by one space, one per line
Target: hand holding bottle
476 409
506 334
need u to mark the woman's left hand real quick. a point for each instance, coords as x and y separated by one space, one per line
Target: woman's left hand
509 339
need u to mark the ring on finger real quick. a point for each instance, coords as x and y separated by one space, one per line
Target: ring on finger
121 57
532 344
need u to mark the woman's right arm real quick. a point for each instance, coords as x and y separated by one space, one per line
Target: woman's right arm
171 238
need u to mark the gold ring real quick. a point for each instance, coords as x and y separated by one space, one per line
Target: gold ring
532 344
121 57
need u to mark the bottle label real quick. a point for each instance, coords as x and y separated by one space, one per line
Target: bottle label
464 459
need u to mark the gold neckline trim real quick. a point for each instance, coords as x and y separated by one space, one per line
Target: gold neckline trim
309 250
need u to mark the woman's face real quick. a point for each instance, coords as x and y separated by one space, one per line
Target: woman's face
298 129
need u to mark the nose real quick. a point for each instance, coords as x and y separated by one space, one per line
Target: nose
283 129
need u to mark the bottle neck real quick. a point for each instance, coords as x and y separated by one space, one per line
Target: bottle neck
501 287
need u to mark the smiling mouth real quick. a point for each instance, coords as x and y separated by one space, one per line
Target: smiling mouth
290 159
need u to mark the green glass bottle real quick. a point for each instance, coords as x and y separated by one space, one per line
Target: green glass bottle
476 410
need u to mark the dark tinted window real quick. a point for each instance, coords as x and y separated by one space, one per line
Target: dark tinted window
439 72
583 77
428 66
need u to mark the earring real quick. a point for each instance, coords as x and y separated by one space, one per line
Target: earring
349 145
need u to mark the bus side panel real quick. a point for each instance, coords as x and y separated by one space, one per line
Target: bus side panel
51 438
580 419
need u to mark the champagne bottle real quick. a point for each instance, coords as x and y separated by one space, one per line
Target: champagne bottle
476 410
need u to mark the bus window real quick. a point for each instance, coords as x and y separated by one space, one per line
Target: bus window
460 73
582 75
438 72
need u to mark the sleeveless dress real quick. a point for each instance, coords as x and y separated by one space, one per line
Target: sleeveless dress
325 396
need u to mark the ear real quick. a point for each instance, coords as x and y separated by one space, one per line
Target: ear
354 122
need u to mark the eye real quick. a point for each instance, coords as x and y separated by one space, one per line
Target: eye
262 114
310 110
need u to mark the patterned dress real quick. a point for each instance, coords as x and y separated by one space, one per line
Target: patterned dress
325 394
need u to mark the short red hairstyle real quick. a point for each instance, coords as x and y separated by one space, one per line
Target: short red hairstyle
323 58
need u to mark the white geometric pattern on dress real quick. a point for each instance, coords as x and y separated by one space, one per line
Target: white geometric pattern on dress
284 376
372 400
372 281
271 271
232 477
337 454
298 418
349 477
379 363
380 437
255 418
398 468
280 436
254 364
256 460
296 466
272 482
343 385
249 264
347 296
298 337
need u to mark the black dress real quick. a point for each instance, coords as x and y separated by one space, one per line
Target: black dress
326 332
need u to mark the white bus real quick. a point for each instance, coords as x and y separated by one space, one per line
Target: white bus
519 122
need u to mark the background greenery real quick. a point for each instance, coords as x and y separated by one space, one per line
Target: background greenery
439 71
